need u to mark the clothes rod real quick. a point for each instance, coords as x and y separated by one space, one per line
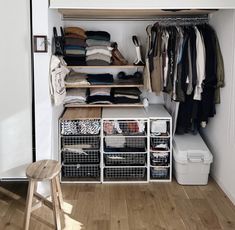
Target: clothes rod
195 18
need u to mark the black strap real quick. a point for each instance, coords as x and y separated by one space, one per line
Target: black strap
55 32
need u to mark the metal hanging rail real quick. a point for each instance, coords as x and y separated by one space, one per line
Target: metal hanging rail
194 19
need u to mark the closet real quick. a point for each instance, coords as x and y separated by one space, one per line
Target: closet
133 19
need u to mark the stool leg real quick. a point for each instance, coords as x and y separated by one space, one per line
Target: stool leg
29 204
59 192
55 204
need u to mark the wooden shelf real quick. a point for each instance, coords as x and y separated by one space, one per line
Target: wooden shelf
81 113
107 67
104 86
104 105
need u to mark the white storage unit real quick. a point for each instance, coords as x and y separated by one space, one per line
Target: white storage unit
124 145
160 144
192 160
79 151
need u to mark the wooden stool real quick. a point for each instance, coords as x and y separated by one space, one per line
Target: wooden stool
41 171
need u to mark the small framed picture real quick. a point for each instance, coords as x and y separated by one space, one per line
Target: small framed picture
40 44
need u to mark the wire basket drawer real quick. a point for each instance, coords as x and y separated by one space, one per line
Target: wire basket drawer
81 156
81 171
124 127
81 142
125 144
80 127
113 159
160 159
124 173
160 143
159 172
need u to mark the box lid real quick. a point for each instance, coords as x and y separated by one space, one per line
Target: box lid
191 148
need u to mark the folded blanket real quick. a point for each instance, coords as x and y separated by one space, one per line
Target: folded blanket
100 78
126 96
98 35
81 53
100 92
75 96
99 99
102 57
93 42
75 42
75 61
99 47
76 78
74 48
75 36
127 91
75 30
97 63
125 100
99 51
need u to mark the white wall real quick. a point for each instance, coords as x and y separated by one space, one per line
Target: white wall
220 132
46 115
15 89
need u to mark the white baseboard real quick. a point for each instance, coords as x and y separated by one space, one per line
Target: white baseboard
222 186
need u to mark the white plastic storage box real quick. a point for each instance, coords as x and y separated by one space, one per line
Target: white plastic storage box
192 160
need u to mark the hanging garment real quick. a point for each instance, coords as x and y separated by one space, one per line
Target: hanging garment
58 71
200 47
207 105
164 57
146 74
219 71
156 80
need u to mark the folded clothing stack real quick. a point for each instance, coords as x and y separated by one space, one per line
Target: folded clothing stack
126 95
78 96
75 78
100 79
100 96
99 51
75 46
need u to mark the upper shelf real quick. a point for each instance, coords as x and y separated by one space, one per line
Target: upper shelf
126 13
141 5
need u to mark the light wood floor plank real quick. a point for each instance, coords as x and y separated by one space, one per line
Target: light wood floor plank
154 206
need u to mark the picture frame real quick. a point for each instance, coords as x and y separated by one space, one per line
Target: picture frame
40 44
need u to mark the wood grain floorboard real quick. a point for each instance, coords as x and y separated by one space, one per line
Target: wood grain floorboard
154 206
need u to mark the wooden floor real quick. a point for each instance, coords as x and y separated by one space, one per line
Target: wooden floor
125 207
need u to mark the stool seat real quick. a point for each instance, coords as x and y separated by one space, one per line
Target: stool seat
43 170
